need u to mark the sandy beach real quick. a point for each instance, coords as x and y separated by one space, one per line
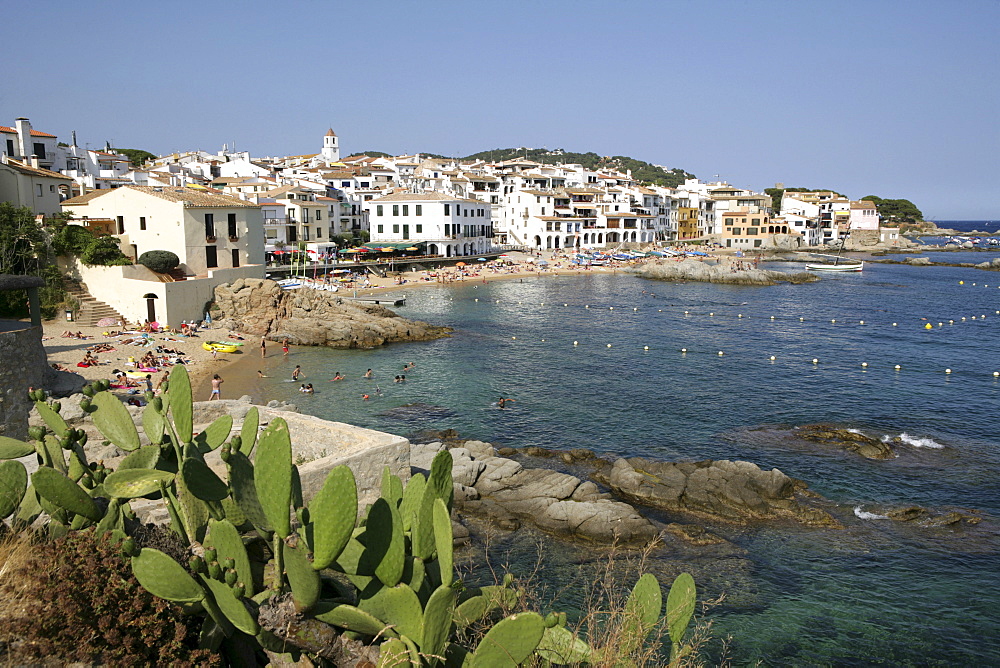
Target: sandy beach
201 364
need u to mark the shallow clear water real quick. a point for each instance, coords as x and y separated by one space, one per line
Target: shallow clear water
873 592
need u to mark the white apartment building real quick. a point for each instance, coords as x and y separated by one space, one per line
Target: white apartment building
447 225
26 184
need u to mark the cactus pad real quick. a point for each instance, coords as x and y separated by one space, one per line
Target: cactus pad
223 536
51 418
333 511
273 476
164 577
680 606
114 421
437 621
233 608
510 642
351 618
13 485
397 606
131 483
202 481
181 402
384 544
248 432
11 448
303 580
62 492
216 433
443 542
145 457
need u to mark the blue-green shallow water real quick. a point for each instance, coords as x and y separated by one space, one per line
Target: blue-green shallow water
872 593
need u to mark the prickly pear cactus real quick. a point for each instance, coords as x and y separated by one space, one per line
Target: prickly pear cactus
334 511
510 642
680 607
13 485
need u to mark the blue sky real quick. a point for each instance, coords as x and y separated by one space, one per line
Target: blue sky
898 99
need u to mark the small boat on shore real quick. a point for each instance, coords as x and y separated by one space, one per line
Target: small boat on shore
221 347
847 266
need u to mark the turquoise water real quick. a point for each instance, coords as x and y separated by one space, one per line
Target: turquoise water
874 592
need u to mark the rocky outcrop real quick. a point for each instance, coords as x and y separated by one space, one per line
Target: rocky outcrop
992 265
732 491
919 261
689 269
851 440
314 317
507 493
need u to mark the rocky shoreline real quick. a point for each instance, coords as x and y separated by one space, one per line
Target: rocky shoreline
689 269
260 307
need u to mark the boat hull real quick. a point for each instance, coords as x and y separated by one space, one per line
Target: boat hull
835 267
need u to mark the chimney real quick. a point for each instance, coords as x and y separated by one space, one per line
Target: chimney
23 136
34 161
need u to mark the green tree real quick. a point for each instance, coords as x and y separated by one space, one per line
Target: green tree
69 240
895 210
22 240
160 261
104 251
136 156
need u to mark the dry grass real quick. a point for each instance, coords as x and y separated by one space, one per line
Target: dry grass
16 549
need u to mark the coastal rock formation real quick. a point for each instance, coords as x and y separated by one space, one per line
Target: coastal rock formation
992 265
689 269
851 440
507 493
313 317
733 491
918 261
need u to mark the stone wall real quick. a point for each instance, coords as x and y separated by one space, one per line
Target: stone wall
22 365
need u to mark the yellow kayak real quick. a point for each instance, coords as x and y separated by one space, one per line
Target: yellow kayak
220 347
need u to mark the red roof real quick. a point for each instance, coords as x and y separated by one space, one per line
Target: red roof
34 133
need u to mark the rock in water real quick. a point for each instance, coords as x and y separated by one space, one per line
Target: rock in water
314 317
734 491
694 270
848 439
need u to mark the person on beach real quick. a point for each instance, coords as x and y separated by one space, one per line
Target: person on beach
263 347
368 374
216 388
296 372
337 376
149 382
284 347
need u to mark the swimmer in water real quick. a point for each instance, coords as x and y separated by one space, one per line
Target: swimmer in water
260 374
296 372
364 397
368 374
501 402
336 376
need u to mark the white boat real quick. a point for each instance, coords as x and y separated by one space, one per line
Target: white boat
852 266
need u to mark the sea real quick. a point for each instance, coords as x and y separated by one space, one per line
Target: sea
689 371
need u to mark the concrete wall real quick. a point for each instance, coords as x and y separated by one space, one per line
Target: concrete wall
319 445
24 366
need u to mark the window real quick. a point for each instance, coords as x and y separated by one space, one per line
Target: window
378 210
420 228
751 231
395 229
211 257
395 209
39 150
447 227
210 226
380 229
231 224
121 224
345 184
52 189
419 210
318 214
38 189
406 209
364 184
447 209
319 232
142 222
10 147
737 230
236 257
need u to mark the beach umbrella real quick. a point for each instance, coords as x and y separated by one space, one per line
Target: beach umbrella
482 259
542 262
412 248
459 264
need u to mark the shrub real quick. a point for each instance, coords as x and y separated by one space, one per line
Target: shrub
79 602
104 251
160 261
71 240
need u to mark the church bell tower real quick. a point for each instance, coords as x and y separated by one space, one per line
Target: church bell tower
331 149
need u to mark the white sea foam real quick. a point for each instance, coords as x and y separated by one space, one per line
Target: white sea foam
854 431
865 515
920 442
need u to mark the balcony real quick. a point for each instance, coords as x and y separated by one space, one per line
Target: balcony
210 238
234 237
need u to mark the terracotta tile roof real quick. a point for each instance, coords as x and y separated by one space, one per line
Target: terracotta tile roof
84 198
423 197
196 196
34 133
35 171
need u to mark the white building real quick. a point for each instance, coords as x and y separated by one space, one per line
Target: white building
30 185
449 226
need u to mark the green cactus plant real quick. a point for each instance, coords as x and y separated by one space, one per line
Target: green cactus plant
114 421
13 449
510 642
56 488
273 476
164 577
303 580
13 485
680 607
248 432
334 511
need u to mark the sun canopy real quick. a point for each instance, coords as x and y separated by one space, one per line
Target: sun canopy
389 246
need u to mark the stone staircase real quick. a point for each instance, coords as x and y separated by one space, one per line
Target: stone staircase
90 310
177 274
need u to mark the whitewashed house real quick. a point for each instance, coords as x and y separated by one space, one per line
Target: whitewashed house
446 225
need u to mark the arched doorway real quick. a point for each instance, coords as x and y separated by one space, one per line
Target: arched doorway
538 241
150 306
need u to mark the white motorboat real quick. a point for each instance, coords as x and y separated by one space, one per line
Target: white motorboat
846 266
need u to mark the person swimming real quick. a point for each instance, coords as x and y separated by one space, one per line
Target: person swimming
368 374
337 376
501 402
